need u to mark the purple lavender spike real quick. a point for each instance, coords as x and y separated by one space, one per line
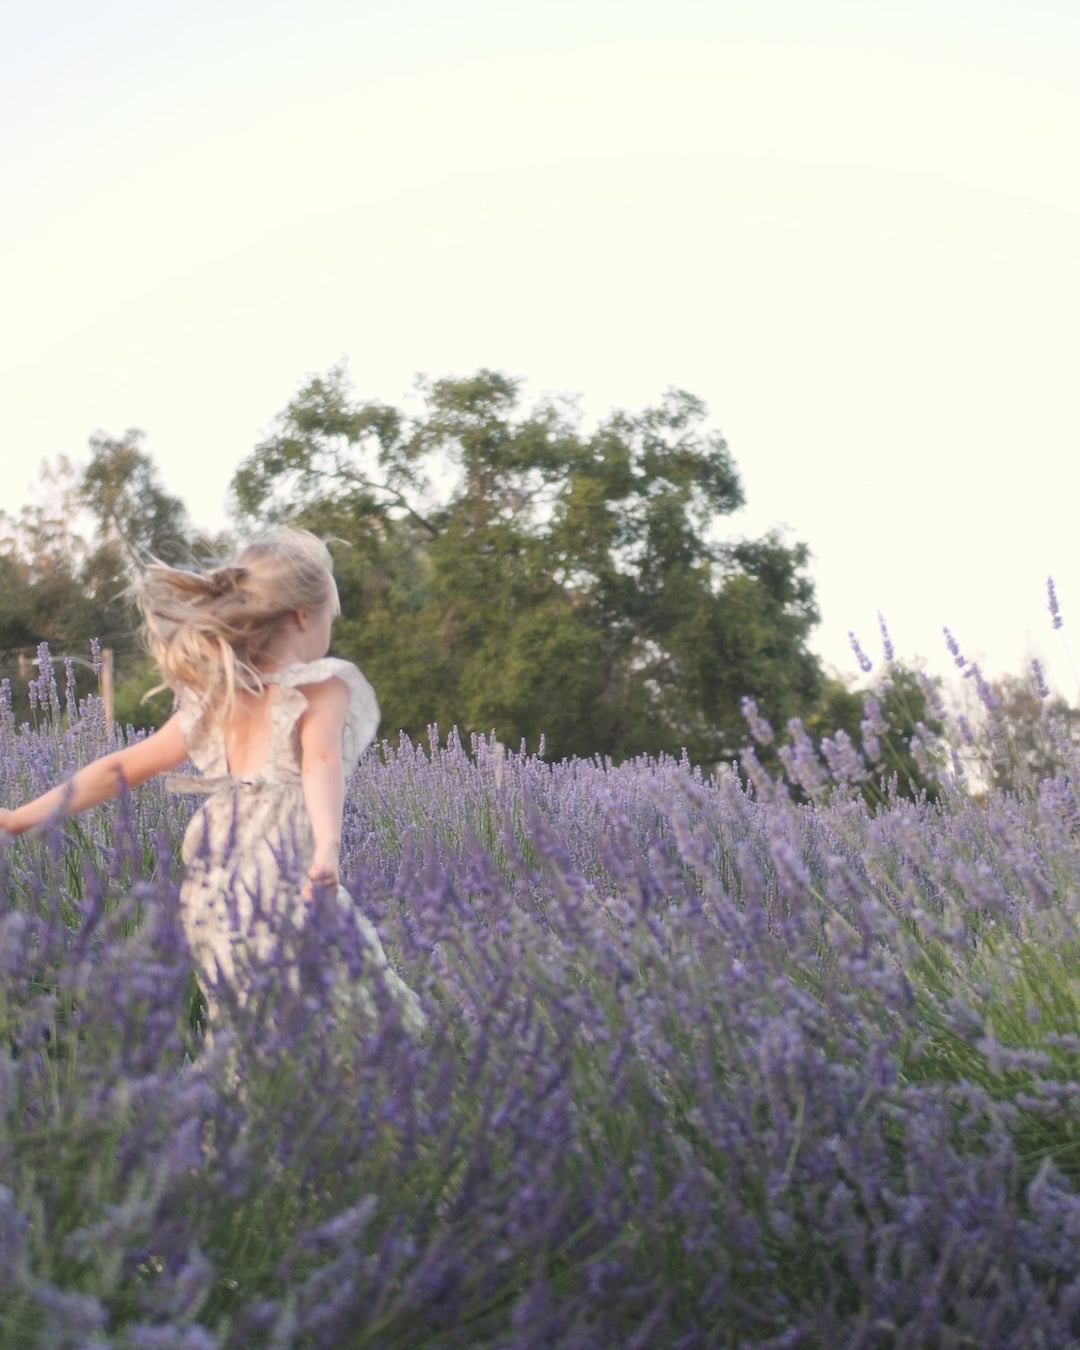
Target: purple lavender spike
760 729
1041 687
954 647
1052 603
865 664
886 640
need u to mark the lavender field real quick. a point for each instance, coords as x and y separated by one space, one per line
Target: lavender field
704 1067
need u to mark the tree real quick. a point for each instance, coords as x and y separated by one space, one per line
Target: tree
507 570
1016 734
67 561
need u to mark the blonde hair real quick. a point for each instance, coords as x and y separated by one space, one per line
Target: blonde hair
209 630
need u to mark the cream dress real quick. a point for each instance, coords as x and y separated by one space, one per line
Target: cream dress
248 846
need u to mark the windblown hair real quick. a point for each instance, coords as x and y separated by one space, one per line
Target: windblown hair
210 630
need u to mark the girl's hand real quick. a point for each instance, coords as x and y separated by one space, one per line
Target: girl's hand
322 874
7 822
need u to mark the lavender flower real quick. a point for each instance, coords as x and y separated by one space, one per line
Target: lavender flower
13 1226
1041 687
865 664
954 647
845 763
872 728
886 640
1052 603
760 729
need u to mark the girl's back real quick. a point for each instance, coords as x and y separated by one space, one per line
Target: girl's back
264 771
247 732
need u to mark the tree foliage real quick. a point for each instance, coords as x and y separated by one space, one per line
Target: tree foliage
500 569
506 569
67 561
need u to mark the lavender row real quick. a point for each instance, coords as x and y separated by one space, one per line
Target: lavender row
709 1062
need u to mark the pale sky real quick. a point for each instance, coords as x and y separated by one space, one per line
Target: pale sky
853 229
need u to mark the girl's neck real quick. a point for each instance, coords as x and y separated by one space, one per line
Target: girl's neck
301 637
283 652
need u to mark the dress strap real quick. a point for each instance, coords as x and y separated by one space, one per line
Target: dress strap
362 716
217 782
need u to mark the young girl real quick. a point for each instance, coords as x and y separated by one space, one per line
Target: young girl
274 726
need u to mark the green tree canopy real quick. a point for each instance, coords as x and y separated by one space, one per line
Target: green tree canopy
67 561
506 569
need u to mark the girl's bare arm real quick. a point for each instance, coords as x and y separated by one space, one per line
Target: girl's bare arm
322 774
103 778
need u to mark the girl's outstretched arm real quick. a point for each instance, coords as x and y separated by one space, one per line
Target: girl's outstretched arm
103 778
322 775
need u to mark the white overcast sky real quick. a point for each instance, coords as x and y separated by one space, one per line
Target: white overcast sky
852 227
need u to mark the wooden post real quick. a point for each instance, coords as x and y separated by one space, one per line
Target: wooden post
107 687
24 666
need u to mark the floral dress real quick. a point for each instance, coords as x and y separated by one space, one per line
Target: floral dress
248 847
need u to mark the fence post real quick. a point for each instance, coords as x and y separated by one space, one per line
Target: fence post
107 687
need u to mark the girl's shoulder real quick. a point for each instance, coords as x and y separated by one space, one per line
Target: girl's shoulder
362 715
317 672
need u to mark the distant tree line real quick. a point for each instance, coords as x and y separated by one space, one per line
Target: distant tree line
500 568
67 562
